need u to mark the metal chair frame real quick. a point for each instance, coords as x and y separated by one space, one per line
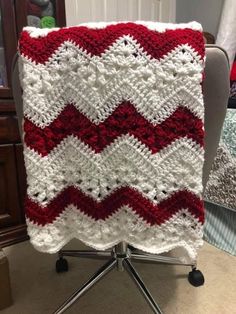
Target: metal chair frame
119 257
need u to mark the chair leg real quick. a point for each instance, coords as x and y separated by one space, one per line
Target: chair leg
135 276
120 257
101 272
85 253
160 259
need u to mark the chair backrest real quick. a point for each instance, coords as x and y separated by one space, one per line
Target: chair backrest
215 92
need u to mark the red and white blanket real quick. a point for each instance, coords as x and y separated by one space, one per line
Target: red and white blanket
113 135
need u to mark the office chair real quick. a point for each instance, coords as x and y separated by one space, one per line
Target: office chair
215 92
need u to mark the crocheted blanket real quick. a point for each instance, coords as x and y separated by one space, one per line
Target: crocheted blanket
221 186
113 135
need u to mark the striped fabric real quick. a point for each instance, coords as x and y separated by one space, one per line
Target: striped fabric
113 135
219 227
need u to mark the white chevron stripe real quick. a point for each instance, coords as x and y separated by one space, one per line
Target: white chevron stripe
125 45
97 84
74 163
157 26
146 104
181 230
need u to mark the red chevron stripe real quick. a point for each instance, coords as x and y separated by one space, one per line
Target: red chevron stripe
125 119
153 214
96 41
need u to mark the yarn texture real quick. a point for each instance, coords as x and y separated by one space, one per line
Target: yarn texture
48 22
48 10
221 185
114 135
33 9
33 20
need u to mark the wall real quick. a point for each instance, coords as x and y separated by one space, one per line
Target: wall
207 12
80 11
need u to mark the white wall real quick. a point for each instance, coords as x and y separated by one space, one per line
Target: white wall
81 11
207 12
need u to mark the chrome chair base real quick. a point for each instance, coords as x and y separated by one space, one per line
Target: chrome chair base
120 257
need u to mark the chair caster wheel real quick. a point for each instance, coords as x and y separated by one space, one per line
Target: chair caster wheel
61 265
196 278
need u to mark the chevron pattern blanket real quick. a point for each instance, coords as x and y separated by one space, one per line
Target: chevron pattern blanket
113 135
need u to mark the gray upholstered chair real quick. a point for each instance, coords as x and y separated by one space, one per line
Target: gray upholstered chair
215 91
